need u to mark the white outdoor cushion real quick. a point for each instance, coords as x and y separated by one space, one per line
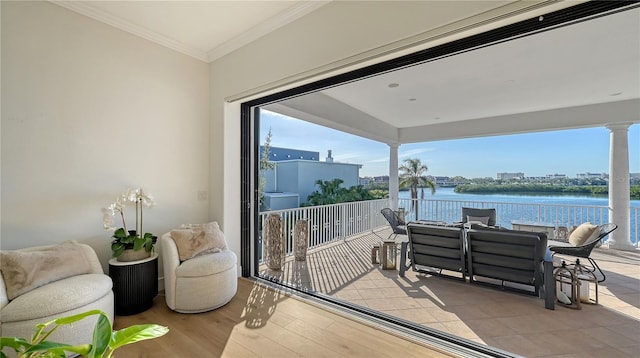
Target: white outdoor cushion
57 297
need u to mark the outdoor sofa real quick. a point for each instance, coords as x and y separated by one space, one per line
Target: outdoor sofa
500 257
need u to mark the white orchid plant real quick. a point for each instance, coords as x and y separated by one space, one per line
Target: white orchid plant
129 239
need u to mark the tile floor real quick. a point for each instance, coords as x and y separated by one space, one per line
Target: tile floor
509 321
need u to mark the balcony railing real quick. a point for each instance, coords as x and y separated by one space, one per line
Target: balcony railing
330 223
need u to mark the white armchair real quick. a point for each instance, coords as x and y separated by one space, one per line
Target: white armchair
201 283
60 287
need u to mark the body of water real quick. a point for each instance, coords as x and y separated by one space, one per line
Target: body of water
565 199
521 207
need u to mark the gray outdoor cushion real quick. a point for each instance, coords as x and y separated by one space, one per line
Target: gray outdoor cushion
490 213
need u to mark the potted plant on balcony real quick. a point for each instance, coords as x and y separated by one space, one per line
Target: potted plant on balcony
130 245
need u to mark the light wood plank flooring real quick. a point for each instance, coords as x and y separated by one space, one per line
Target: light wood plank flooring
511 322
260 322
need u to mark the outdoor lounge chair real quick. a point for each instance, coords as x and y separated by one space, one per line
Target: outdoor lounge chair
487 214
398 225
584 250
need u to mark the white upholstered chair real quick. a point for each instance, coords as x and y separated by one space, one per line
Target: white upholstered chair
202 283
76 293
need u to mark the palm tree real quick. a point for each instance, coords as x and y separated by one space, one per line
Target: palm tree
412 175
330 192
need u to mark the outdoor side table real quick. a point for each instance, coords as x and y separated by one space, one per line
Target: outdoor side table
135 284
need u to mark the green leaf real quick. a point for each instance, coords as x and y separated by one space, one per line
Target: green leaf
101 337
117 248
15 343
120 233
82 349
137 333
138 244
74 318
148 245
128 239
54 348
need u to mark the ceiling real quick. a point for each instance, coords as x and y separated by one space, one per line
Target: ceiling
205 30
582 75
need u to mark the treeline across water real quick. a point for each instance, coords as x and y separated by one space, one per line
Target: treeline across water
540 189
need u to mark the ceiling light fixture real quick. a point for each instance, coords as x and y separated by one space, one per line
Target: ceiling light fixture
393 85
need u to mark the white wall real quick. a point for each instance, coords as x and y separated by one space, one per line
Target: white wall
87 112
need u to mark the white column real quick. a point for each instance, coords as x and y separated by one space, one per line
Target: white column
393 176
619 201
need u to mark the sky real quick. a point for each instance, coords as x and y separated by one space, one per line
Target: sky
566 152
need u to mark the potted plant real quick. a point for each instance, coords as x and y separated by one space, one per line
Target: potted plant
105 340
130 245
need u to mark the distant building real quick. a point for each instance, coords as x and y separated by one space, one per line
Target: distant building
556 176
507 176
443 181
588 175
292 180
277 154
381 179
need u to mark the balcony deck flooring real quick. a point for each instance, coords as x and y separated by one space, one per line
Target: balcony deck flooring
509 321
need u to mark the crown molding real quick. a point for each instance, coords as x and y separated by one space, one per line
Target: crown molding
86 9
289 15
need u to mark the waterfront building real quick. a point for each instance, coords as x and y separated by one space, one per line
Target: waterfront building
292 180
381 179
588 175
507 176
556 176
442 181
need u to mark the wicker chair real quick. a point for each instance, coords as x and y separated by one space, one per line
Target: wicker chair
584 250
398 225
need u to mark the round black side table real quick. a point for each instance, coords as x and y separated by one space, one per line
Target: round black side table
135 284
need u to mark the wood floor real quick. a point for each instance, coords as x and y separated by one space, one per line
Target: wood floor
260 322
514 323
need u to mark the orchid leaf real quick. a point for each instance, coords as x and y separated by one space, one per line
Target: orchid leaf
138 244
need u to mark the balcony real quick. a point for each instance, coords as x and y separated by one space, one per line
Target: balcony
338 265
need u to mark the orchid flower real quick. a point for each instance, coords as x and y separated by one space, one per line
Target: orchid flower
145 198
137 196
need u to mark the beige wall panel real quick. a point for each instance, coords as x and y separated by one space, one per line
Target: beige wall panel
87 112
